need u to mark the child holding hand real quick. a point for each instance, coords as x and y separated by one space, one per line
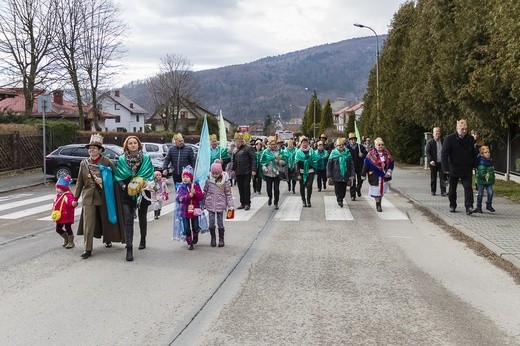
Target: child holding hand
63 206
189 196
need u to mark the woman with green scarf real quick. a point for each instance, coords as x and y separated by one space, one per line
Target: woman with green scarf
134 168
340 169
289 155
271 164
306 162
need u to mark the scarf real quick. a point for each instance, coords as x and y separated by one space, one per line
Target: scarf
133 161
289 156
218 153
130 166
343 157
308 161
374 163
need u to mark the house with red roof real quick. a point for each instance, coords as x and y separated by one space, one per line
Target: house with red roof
342 115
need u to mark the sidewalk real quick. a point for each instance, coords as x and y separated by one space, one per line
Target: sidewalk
499 231
16 180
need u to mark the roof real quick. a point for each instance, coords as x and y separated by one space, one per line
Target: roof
351 108
124 101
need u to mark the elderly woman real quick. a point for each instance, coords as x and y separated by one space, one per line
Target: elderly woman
306 161
379 165
94 220
271 164
134 169
340 169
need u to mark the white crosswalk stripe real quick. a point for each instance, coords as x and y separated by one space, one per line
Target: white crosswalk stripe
333 212
290 209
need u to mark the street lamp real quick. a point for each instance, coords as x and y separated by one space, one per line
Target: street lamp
314 119
377 60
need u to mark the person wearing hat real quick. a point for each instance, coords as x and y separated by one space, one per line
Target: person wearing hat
321 169
133 164
63 202
178 156
244 167
306 162
272 163
94 221
358 153
327 146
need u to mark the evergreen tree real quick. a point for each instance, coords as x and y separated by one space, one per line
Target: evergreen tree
267 125
350 124
327 119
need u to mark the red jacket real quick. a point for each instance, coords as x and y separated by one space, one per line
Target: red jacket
67 210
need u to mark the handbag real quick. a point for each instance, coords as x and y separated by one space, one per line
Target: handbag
56 214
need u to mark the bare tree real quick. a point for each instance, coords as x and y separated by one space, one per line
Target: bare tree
70 30
174 85
26 29
102 46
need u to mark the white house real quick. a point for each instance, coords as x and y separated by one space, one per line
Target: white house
127 115
341 116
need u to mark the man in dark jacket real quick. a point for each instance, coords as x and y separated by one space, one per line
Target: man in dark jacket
178 157
458 158
433 156
358 153
244 166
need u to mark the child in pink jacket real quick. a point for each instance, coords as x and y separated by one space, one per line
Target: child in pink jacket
63 203
189 196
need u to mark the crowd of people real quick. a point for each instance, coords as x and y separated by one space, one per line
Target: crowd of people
113 196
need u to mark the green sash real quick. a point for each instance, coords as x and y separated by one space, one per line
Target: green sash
343 157
123 171
219 153
289 156
311 161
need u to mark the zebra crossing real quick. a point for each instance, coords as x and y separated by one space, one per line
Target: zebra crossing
18 206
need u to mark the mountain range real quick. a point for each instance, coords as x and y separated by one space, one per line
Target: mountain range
280 85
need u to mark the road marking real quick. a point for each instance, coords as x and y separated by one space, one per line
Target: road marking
390 212
246 215
27 212
19 195
333 212
168 208
77 212
27 202
290 210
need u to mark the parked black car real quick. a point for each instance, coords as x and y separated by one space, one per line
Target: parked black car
66 159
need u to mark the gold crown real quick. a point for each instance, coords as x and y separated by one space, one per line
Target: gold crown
352 135
212 137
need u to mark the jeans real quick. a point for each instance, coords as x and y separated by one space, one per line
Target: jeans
194 223
489 189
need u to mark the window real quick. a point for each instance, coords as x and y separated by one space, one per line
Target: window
183 114
116 106
137 117
118 119
151 148
67 151
134 129
81 152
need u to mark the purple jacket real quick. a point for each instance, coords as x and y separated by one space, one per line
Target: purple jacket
183 197
218 195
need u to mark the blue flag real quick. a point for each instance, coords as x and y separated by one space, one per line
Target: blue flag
202 166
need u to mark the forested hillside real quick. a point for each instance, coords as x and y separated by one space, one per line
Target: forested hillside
278 84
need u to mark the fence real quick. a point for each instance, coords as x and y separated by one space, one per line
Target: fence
20 152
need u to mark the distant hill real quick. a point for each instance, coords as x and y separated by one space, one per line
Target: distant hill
272 85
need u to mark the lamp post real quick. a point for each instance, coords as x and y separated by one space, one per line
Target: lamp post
314 118
377 61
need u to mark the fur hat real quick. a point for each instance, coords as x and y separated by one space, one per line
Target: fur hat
352 135
97 140
216 167
63 183
188 171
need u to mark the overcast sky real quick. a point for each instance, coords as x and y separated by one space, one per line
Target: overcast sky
216 33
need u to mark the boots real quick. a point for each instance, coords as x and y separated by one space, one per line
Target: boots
195 237
378 207
65 239
70 241
221 237
213 236
129 254
308 202
142 243
190 243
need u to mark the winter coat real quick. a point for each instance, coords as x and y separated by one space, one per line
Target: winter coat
67 210
90 195
431 150
334 169
459 155
485 168
178 158
270 166
184 199
358 161
378 170
244 160
217 195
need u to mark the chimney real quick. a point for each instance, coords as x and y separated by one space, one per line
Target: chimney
58 97
117 93
131 105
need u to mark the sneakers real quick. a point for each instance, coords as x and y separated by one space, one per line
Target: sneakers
490 208
453 209
469 211
477 210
